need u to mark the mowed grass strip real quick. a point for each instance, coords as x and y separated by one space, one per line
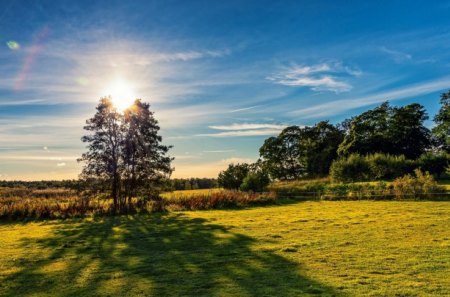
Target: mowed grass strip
343 248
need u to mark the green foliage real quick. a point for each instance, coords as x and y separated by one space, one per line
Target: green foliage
434 163
422 185
255 182
442 119
124 154
384 166
233 176
301 151
389 130
281 155
353 168
371 167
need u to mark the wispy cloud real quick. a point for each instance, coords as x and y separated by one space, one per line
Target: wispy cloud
245 129
248 126
319 77
397 56
260 132
219 151
244 109
339 106
62 164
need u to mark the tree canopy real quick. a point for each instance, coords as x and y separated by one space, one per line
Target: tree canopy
390 130
442 119
125 152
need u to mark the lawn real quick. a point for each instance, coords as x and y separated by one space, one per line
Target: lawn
359 248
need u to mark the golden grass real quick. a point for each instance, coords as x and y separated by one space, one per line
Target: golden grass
343 248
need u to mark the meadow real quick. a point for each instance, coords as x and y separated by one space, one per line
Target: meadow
323 248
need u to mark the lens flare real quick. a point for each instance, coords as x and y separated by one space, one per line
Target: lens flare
13 45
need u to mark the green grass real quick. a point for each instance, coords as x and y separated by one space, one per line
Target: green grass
360 248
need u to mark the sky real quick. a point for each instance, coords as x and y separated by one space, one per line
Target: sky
221 76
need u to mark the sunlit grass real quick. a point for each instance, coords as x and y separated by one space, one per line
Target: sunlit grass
341 248
189 193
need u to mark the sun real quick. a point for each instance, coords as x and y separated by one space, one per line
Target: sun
122 94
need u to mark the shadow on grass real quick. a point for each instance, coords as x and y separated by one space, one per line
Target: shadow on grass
155 255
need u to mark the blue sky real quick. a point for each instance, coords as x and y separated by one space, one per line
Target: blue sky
221 76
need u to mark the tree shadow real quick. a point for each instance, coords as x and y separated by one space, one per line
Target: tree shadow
155 255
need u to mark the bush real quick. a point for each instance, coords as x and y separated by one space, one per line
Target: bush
233 176
350 169
422 185
434 163
255 181
371 167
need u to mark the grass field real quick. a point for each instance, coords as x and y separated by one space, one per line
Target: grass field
189 193
360 248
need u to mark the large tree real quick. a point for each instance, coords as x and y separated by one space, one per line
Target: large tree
103 158
145 159
281 155
125 151
391 130
319 145
442 119
301 151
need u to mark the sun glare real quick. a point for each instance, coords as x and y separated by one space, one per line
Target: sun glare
122 94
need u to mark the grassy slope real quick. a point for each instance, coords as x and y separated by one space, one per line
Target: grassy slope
313 248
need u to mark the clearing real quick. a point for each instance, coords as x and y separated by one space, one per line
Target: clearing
343 248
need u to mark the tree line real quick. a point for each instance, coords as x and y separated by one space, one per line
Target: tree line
383 135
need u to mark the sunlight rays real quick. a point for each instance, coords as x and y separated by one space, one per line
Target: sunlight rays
122 93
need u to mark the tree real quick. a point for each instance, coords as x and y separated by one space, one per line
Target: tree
257 178
298 152
103 158
145 162
384 129
442 119
319 145
407 134
125 151
281 155
233 176
368 133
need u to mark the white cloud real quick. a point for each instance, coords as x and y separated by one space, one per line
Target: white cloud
244 109
259 132
245 129
62 164
219 151
320 77
248 126
397 56
339 106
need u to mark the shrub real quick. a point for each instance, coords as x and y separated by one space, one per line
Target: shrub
371 167
233 176
350 169
434 163
255 181
422 185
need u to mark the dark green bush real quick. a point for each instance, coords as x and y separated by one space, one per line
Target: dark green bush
255 181
371 167
351 169
434 163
